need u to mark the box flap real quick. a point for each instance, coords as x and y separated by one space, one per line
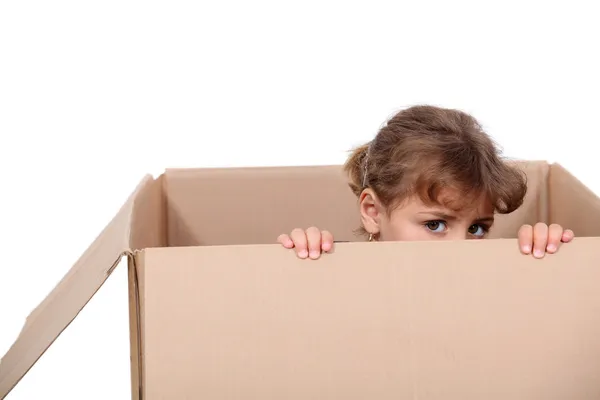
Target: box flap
69 296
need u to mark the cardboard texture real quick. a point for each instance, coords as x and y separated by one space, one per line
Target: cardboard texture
219 310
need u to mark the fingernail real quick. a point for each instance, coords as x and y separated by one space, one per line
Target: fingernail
526 249
551 247
302 253
314 254
538 253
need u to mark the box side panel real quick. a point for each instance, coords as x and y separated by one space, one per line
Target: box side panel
237 322
572 204
149 220
373 321
256 205
534 208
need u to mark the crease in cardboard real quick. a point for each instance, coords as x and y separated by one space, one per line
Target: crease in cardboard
543 210
165 210
132 256
548 190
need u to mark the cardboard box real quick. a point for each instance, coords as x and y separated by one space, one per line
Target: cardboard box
219 310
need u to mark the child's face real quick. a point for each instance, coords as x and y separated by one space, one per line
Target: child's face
415 220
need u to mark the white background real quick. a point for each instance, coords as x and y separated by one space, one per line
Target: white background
93 95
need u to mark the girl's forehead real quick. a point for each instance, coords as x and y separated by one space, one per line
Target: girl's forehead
452 202
458 200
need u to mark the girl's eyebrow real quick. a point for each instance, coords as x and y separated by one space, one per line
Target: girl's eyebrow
448 217
440 215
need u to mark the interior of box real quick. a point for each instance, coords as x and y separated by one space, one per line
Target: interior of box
200 207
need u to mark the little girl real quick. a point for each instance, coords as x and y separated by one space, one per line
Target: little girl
432 173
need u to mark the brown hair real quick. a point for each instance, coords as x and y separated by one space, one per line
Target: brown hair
424 149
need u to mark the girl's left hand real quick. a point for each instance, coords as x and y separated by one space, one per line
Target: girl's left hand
542 238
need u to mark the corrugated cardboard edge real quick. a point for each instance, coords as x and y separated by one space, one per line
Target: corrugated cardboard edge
52 316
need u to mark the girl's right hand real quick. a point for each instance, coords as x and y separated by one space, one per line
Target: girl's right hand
307 243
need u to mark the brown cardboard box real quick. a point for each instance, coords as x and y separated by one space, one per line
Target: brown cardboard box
220 311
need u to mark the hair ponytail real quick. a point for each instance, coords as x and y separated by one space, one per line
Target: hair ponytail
356 168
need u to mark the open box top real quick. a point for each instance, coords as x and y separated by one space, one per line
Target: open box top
191 207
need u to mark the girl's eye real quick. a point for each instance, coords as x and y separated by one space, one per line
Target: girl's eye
477 230
436 226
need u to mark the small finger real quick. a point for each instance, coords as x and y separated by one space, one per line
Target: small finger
540 239
326 241
567 236
285 240
314 242
300 242
555 233
525 236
